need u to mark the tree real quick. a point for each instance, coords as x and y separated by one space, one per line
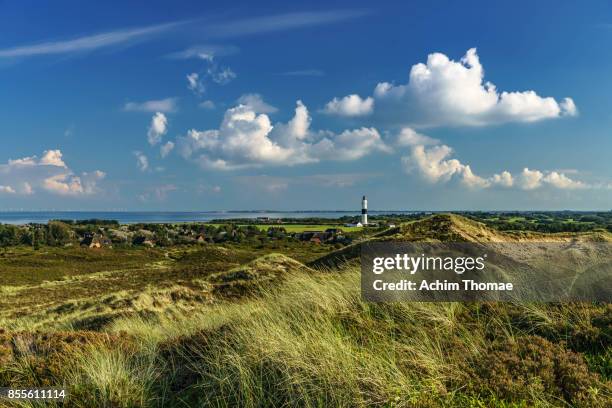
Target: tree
58 233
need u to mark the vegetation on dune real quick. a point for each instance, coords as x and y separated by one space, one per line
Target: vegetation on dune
311 341
252 326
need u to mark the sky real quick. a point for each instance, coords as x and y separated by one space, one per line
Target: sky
201 106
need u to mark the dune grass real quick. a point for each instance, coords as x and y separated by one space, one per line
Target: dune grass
312 342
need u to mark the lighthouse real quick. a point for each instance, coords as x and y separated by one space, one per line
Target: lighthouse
364 210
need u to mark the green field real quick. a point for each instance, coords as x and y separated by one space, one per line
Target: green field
302 227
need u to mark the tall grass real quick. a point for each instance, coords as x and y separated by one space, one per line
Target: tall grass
312 342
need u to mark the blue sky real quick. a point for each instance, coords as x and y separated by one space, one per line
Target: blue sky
199 106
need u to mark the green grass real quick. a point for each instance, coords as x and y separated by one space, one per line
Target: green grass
312 342
83 288
26 266
303 227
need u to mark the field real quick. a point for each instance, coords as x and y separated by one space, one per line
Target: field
303 227
282 324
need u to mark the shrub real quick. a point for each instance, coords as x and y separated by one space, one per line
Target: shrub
529 367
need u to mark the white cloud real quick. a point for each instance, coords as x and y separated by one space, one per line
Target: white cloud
504 179
409 137
432 160
50 173
141 161
247 138
568 107
221 76
279 22
560 180
351 105
205 52
88 43
7 190
444 92
64 184
52 158
195 84
208 104
158 128
166 149
532 179
349 145
255 102
166 105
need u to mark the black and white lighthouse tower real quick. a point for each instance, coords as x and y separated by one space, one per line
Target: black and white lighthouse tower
364 211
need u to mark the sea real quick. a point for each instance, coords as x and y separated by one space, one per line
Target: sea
133 217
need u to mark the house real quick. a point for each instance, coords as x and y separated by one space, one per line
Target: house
334 231
315 236
91 240
357 224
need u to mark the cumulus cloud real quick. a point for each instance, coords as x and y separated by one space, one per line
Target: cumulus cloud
65 184
166 149
532 179
52 158
158 128
166 105
255 102
247 138
433 161
444 92
351 105
195 84
49 173
409 137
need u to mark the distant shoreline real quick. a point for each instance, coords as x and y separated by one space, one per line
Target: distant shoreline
169 217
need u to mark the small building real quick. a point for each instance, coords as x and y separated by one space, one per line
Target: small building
315 236
357 224
315 240
91 240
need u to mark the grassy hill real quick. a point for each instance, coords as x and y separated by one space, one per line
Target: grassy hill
452 228
225 327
